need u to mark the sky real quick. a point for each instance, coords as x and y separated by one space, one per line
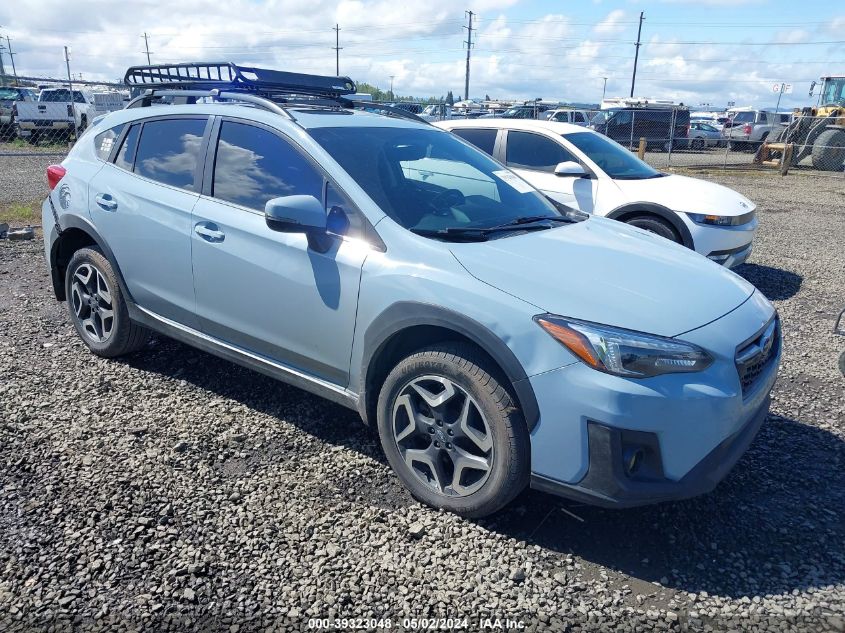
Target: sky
693 51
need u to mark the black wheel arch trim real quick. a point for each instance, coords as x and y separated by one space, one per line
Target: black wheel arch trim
662 212
407 314
70 222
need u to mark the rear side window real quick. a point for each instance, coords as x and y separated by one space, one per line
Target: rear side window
126 154
168 151
254 165
485 140
532 151
104 142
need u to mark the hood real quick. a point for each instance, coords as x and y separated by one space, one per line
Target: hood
692 195
603 271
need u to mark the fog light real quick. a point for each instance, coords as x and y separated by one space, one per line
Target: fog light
632 458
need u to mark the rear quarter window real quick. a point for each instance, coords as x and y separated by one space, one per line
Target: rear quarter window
104 141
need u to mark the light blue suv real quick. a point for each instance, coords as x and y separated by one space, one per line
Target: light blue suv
494 338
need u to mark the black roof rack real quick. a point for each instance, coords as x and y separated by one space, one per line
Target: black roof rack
231 77
274 90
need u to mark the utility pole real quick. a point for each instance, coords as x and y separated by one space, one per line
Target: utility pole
147 46
70 87
2 68
337 48
469 48
12 58
637 52
392 98
604 89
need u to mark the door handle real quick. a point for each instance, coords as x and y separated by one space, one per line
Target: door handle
106 202
209 232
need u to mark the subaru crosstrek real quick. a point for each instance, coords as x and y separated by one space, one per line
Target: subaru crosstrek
494 338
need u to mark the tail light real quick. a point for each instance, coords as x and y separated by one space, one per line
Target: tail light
747 129
54 174
70 109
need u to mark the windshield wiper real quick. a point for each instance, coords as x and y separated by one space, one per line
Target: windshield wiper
479 234
456 234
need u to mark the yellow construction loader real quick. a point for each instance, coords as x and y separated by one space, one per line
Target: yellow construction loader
817 132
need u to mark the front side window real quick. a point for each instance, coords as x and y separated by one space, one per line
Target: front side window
485 140
616 161
168 151
526 150
254 165
426 179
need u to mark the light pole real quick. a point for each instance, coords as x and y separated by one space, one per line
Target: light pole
604 89
391 87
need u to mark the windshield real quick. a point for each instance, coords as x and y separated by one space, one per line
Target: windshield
427 179
616 161
834 92
8 93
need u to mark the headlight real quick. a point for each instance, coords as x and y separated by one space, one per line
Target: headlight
721 220
624 352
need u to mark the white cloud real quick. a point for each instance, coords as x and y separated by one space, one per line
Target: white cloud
612 24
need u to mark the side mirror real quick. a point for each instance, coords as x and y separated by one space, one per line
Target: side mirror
295 214
299 214
570 168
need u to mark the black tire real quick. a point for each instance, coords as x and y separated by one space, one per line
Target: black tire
699 144
829 150
657 225
124 335
468 369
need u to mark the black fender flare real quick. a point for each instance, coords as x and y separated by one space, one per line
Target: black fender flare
407 314
659 210
77 222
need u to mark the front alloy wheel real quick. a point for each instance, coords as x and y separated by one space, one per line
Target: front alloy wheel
442 436
453 431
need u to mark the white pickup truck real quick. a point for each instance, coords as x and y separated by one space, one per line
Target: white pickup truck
54 114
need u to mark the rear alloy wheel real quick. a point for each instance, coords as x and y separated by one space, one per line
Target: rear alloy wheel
656 225
97 308
452 431
699 144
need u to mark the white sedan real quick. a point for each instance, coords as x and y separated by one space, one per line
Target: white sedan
588 171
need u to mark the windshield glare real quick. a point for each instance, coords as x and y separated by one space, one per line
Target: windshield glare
616 161
428 179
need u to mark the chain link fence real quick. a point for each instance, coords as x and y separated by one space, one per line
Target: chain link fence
664 137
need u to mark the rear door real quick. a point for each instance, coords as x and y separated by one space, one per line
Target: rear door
141 203
261 290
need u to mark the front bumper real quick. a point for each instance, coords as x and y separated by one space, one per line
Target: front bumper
729 246
621 442
608 485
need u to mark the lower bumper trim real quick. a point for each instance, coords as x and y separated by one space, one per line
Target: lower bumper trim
606 484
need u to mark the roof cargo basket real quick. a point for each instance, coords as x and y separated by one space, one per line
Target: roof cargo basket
230 76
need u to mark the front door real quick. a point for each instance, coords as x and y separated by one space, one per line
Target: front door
264 291
535 156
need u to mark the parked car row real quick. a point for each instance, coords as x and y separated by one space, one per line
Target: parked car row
460 286
53 113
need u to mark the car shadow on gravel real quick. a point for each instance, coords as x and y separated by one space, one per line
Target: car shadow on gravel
777 284
330 423
776 524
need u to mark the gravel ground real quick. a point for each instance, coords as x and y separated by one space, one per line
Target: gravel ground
171 490
23 173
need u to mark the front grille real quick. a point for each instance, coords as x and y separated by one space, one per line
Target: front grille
754 357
